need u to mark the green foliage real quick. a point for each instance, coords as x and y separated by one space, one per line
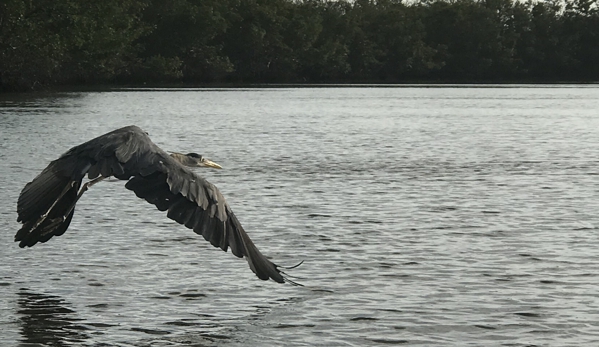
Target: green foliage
184 32
52 42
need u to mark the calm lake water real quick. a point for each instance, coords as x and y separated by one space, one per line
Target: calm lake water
425 216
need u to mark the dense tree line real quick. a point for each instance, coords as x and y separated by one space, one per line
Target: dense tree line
74 42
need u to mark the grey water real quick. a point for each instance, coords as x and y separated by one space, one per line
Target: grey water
438 216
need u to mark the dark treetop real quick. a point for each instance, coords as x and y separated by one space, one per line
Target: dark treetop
144 42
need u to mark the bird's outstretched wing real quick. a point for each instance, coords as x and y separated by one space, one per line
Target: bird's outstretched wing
129 154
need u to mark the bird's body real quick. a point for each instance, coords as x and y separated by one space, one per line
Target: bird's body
46 205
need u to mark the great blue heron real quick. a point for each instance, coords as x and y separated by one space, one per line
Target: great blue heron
47 203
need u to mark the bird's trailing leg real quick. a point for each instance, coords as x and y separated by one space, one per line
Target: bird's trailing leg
83 189
53 220
45 215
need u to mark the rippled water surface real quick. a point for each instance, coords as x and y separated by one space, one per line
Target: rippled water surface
425 216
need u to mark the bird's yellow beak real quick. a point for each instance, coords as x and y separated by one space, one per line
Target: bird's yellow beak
210 163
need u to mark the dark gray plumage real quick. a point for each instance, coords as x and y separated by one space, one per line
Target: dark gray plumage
46 205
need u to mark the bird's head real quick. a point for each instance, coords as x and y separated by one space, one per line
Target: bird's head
194 160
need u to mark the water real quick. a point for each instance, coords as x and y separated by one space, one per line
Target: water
425 216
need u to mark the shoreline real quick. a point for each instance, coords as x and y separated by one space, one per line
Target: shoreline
192 86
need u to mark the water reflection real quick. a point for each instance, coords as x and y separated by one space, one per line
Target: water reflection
48 320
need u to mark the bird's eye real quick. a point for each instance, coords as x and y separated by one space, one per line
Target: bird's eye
194 155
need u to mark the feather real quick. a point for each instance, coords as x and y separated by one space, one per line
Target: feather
105 169
94 171
177 208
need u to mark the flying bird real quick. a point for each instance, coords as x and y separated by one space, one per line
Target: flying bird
46 204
